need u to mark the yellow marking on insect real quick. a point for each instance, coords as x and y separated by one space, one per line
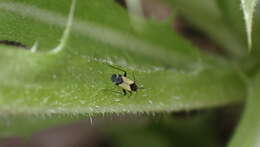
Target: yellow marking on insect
125 86
127 81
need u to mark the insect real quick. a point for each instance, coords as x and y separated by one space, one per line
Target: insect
123 82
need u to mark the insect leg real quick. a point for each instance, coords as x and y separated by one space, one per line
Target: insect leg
130 93
117 92
124 91
112 91
134 76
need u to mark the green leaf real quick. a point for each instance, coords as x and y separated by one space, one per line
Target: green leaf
248 131
76 80
248 7
221 20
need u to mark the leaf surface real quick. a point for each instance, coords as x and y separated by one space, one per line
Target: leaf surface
248 131
174 75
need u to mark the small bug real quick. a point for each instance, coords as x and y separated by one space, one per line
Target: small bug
122 81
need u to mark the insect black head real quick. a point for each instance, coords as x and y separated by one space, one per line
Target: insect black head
113 77
133 87
117 79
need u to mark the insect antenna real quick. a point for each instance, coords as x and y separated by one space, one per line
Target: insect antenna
116 68
134 76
